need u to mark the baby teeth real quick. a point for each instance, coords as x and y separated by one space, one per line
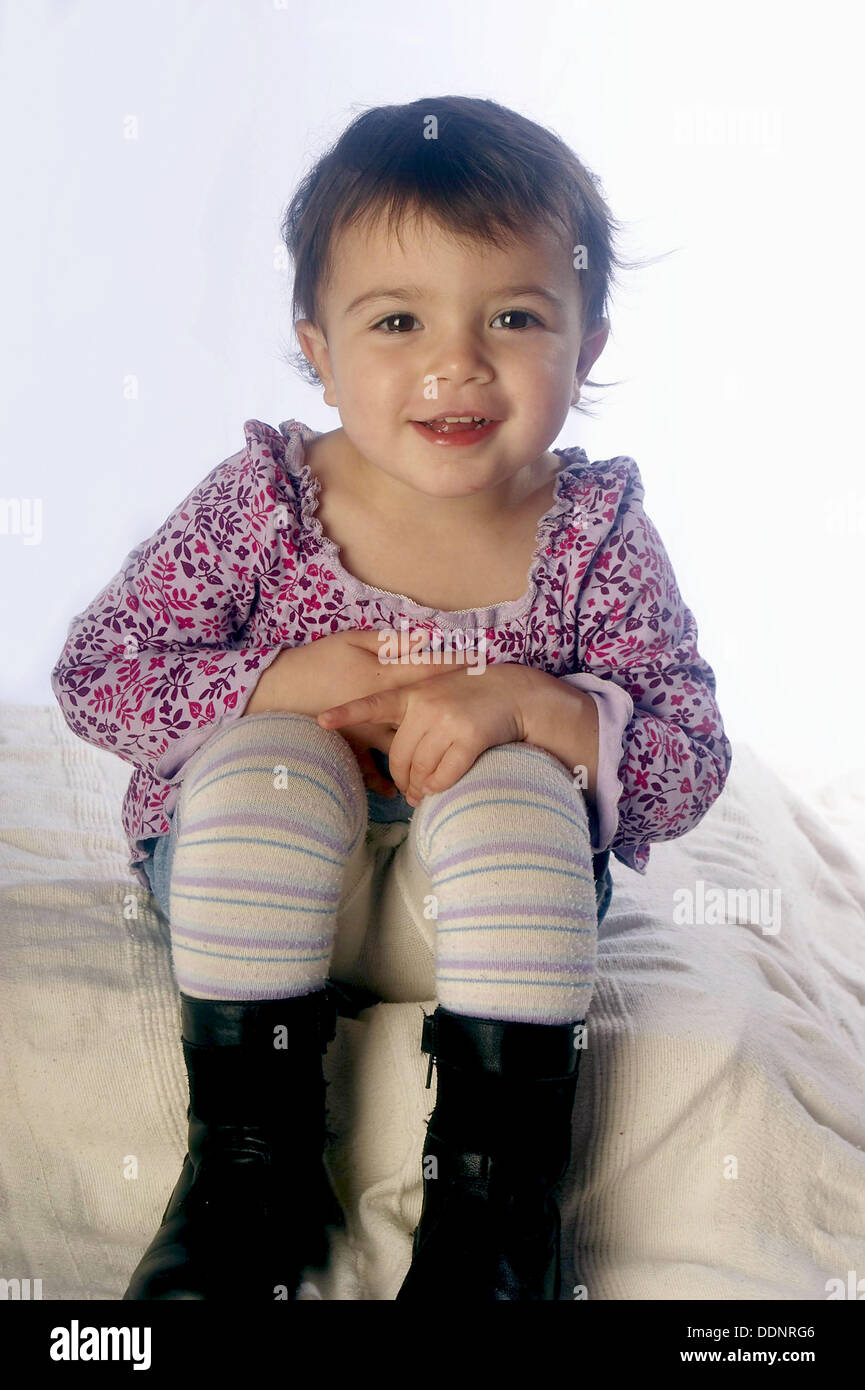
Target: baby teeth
476 420
441 424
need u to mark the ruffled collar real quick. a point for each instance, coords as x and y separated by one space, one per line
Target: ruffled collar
556 519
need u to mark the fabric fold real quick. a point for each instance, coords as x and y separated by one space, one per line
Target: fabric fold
615 711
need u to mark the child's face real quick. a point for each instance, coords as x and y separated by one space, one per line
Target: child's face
453 336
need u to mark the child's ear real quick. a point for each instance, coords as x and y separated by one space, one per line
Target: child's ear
314 347
593 344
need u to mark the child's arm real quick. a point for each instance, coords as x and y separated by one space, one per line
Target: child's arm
663 755
154 664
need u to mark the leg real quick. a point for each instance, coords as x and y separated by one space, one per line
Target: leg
508 853
270 812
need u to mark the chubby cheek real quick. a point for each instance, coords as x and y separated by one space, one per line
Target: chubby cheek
548 383
378 398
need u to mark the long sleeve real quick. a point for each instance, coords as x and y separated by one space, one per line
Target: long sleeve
153 666
663 762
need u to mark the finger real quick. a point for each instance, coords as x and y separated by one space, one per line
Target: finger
381 640
438 657
426 757
434 664
454 764
415 656
382 707
402 749
396 647
372 736
378 736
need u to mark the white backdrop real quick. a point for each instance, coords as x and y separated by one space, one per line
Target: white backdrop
148 153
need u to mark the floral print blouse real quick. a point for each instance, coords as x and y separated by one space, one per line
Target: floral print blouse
171 648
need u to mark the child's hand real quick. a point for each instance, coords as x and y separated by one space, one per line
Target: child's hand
442 726
343 665
307 678
362 738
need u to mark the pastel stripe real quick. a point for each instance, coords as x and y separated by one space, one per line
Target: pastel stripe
508 852
258 868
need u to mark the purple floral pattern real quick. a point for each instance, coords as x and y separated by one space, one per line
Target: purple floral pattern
171 648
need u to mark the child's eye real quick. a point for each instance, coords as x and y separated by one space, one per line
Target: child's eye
402 320
399 318
509 313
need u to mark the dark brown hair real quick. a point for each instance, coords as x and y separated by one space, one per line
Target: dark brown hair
486 173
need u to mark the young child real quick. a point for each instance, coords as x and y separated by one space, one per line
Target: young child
313 811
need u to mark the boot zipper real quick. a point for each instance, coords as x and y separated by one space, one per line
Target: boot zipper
428 1044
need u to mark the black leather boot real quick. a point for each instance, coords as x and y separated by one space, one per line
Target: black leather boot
250 1209
497 1143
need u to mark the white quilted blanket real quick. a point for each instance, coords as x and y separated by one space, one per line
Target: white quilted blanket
719 1129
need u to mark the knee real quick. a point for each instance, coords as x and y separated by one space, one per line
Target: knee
281 750
508 781
523 767
536 779
283 730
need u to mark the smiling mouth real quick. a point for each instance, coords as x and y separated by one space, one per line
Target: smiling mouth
455 424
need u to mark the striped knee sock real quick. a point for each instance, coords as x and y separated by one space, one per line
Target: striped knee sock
508 851
270 810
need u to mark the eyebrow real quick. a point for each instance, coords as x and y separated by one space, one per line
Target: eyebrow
415 292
